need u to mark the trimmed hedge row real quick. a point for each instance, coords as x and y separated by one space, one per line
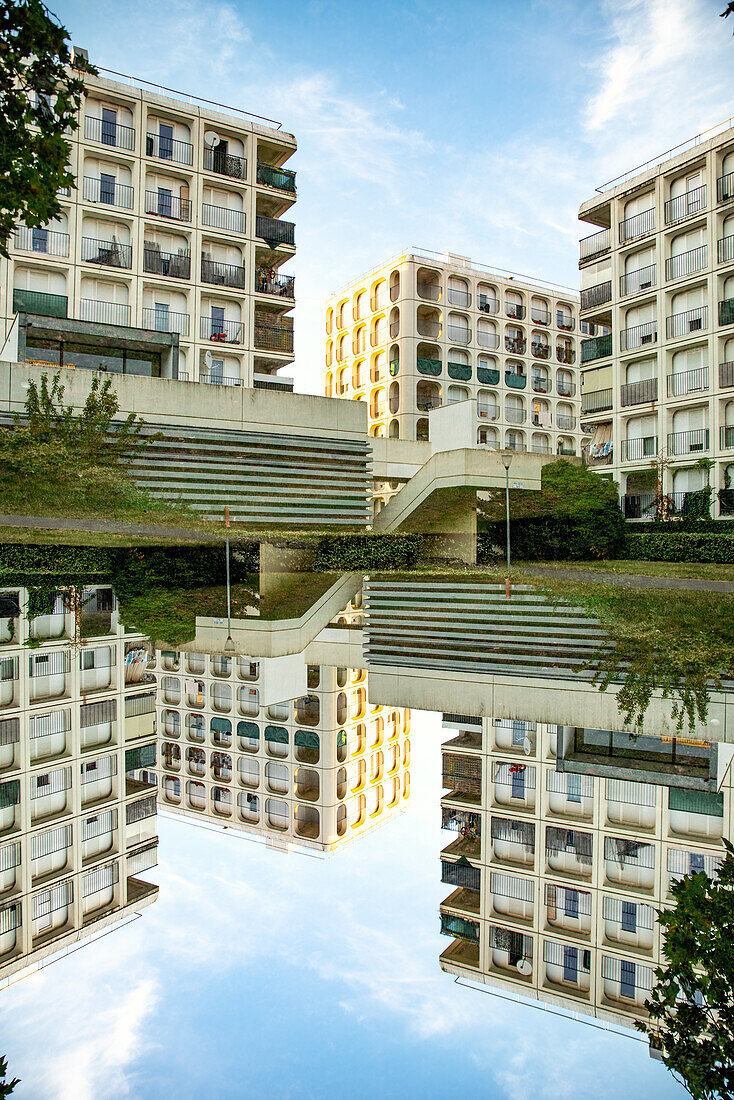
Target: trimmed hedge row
367 553
551 538
18 560
687 525
683 546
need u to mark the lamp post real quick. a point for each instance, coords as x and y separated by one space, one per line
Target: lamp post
229 644
506 460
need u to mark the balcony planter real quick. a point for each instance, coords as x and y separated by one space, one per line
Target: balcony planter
515 381
487 376
429 366
461 372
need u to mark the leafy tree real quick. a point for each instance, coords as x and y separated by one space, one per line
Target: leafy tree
39 101
6 1087
691 1008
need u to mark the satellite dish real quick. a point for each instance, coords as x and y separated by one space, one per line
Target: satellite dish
207 358
211 139
524 967
527 748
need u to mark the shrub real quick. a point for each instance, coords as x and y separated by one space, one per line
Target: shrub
680 546
367 553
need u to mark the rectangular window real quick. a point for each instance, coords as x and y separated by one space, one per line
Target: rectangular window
518 784
570 964
573 790
571 903
629 916
217 319
627 978
165 201
107 188
165 141
109 126
161 317
40 240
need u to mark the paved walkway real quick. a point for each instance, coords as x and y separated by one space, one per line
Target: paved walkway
628 580
110 527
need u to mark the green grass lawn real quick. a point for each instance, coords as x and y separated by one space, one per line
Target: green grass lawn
682 569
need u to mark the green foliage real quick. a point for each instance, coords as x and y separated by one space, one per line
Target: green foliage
691 1008
39 100
367 553
693 525
680 546
6 1087
61 562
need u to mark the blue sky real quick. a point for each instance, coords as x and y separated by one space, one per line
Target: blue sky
475 127
258 973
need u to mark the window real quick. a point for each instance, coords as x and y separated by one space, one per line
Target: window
109 126
627 978
629 916
165 141
106 187
165 202
573 791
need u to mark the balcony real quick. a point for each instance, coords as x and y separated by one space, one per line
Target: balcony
596 296
516 416
540 316
595 244
692 320
168 148
515 310
460 372
642 278
515 381
487 376
540 350
428 328
541 384
275 231
221 217
683 206
166 205
566 355
565 389
725 188
108 191
637 226
458 297
515 344
596 347
687 263
726 374
458 334
279 286
222 274
424 404
689 381
639 393
638 336
109 133
44 242
430 291
635 450
175 265
486 412
488 305
107 253
428 366
726 437
40 303
638 506
724 249
104 313
164 320
487 339
224 380
565 423
596 401
224 164
726 312
271 336
221 331
694 441
280 178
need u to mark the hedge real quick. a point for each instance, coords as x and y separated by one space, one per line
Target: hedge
551 538
654 546
684 525
19 560
367 553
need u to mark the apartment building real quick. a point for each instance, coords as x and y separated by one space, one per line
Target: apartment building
556 874
658 379
426 329
166 258
77 805
313 772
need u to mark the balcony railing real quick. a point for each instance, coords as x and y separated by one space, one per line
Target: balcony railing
177 265
457 334
642 278
566 355
682 206
726 436
221 217
638 505
726 312
431 329
595 244
639 393
516 416
725 249
275 231
220 380
565 389
488 305
48 242
40 303
166 148
219 330
597 295
686 263
222 274
726 374
565 423
541 351
487 376
460 372
683 443
270 176
540 316
725 187
429 291
637 336
541 384
637 226
107 253
688 381
109 133
515 381
428 366
515 310
280 286
596 347
597 401
487 412
424 404
164 320
271 336
515 344
692 320
105 313
634 450
109 192
489 340
459 297
224 164
394 330
166 205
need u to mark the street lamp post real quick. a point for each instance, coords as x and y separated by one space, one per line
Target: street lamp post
506 460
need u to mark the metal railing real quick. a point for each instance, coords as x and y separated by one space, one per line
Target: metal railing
281 178
489 340
597 401
516 416
457 334
639 393
696 440
166 205
634 450
566 355
726 374
596 347
429 291
222 274
488 305
692 320
219 330
273 337
40 303
275 231
176 265
224 164
725 249
638 505
221 380
686 263
541 384
642 278
594 244
565 389
726 436
109 133
565 423
637 336
682 206
515 310
597 295
425 404
540 316
725 187
166 148
541 351
459 297
487 412
109 192
107 253
431 329
637 226
688 381
221 217
47 242
164 320
280 286
515 344
104 313
726 311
